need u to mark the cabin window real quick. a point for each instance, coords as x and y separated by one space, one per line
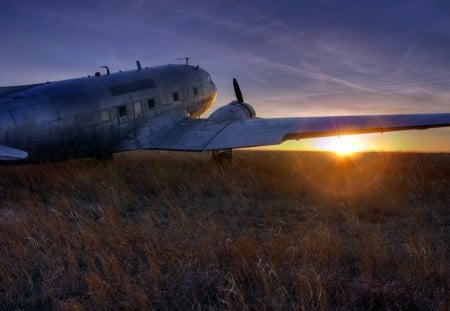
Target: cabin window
106 116
151 103
137 110
195 91
176 97
122 111
122 114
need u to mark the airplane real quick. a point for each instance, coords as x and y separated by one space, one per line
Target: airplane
157 108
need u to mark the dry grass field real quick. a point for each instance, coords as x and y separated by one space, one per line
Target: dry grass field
269 230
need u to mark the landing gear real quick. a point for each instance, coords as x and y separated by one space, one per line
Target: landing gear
221 155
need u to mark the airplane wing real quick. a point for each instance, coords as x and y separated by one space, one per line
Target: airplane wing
204 134
9 154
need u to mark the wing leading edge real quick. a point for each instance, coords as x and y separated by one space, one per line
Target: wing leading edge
204 134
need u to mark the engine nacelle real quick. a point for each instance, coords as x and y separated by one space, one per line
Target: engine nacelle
233 111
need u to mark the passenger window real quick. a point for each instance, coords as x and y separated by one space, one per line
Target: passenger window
195 91
106 116
123 114
151 103
176 97
122 111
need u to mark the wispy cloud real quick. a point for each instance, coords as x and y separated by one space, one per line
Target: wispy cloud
299 55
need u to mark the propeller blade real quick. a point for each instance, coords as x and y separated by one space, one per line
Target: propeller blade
237 91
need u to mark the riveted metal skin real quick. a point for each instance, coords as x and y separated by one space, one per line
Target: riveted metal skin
93 115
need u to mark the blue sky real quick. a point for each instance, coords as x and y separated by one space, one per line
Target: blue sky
292 58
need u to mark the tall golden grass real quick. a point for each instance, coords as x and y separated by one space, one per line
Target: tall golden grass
269 230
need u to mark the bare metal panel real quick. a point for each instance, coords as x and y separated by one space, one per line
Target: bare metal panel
149 135
34 114
130 87
192 134
12 89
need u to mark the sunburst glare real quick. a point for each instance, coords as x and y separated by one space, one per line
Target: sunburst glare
343 145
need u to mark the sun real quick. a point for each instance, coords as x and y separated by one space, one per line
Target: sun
343 145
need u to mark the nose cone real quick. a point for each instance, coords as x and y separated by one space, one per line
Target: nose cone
207 103
212 97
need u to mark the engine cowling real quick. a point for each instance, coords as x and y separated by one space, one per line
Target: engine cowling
233 111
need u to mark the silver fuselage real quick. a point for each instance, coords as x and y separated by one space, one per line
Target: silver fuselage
92 115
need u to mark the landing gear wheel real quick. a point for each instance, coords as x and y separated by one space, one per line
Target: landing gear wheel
221 155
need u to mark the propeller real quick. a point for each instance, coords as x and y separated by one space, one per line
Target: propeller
240 99
237 91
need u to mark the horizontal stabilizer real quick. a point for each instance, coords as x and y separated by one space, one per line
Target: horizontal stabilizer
10 154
